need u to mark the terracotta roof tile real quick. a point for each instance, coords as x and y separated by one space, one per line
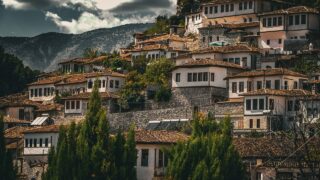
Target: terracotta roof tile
292 10
43 129
208 62
16 132
86 95
267 72
49 107
74 79
20 99
159 137
11 120
85 60
228 49
49 80
165 37
294 92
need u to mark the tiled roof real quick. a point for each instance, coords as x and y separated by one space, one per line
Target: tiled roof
11 120
85 60
227 49
16 132
155 47
86 95
293 92
49 80
18 99
43 129
74 79
208 62
165 37
159 137
49 107
267 72
292 10
105 72
233 25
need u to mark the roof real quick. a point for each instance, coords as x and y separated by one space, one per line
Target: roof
159 137
233 25
49 80
99 59
16 132
275 92
86 95
292 10
167 124
155 47
11 120
49 107
208 62
267 72
74 79
228 49
105 72
43 129
19 99
171 37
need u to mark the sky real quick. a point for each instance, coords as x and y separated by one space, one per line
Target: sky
33 17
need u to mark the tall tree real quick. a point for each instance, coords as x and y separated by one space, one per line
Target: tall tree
218 160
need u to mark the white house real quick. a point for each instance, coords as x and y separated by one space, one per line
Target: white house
268 110
80 65
38 141
108 81
295 23
152 161
276 78
193 23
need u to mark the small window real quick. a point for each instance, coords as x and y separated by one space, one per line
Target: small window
117 83
90 84
240 6
290 104
189 77
251 123
178 77
249 86
194 77
35 143
234 87
258 123
231 7
264 22
268 84
222 8
295 85
206 10
72 104
99 84
255 104
274 21
271 104
200 77
280 41
145 157
296 105
261 104
104 83
216 9
237 61
279 21
40 92
203 39
46 142
269 22
250 5
297 19
248 104
31 92
211 10
205 76
286 85
30 143
67 104
245 5
40 143
227 7
26 144
259 84
212 76
111 83
268 42
290 20
303 19
241 86
277 84
77 104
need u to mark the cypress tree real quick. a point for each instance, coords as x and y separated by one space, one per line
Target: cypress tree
131 154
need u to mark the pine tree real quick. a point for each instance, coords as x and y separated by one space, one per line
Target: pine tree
218 160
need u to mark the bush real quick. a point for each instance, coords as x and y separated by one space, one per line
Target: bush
163 94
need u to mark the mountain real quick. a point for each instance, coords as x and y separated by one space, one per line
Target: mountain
45 51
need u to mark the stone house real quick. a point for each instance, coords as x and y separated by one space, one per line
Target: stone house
152 160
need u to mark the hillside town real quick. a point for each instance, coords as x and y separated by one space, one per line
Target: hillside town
254 62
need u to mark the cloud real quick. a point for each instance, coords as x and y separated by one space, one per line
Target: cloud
138 5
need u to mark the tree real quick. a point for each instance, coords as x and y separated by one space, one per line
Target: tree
218 160
7 170
90 53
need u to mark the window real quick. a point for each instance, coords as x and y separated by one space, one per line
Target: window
111 83
90 84
250 5
67 104
255 104
99 84
77 104
237 61
280 41
241 86
218 38
144 157
227 7
211 10
21 114
26 144
200 76
205 76
244 62
277 84
45 91
194 77
285 84
206 10
248 104
259 84
290 20
258 123
271 104
189 77
210 38
245 20
72 104
295 85
161 159
222 8
204 39
231 7
240 6
231 60
30 143
212 76
46 142
36 92
296 105
178 77
274 21
40 143
31 92
290 104
104 83
251 123
269 22
216 9
261 104
117 83
40 92
264 22
249 86
279 21
234 87
303 19
268 84
250 19
245 5
34 142
297 19
268 42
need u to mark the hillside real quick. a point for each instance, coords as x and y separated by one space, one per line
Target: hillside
45 51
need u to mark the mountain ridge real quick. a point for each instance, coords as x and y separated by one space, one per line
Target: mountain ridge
44 51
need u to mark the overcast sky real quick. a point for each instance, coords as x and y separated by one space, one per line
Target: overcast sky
33 17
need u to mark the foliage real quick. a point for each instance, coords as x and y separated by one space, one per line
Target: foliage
6 167
132 93
87 151
14 76
218 160
91 53
163 94
307 64
161 26
116 62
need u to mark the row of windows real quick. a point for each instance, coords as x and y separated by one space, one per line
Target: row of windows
72 105
228 8
258 104
34 142
297 20
196 77
162 158
197 17
39 92
237 61
251 123
268 85
272 22
102 84
293 105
